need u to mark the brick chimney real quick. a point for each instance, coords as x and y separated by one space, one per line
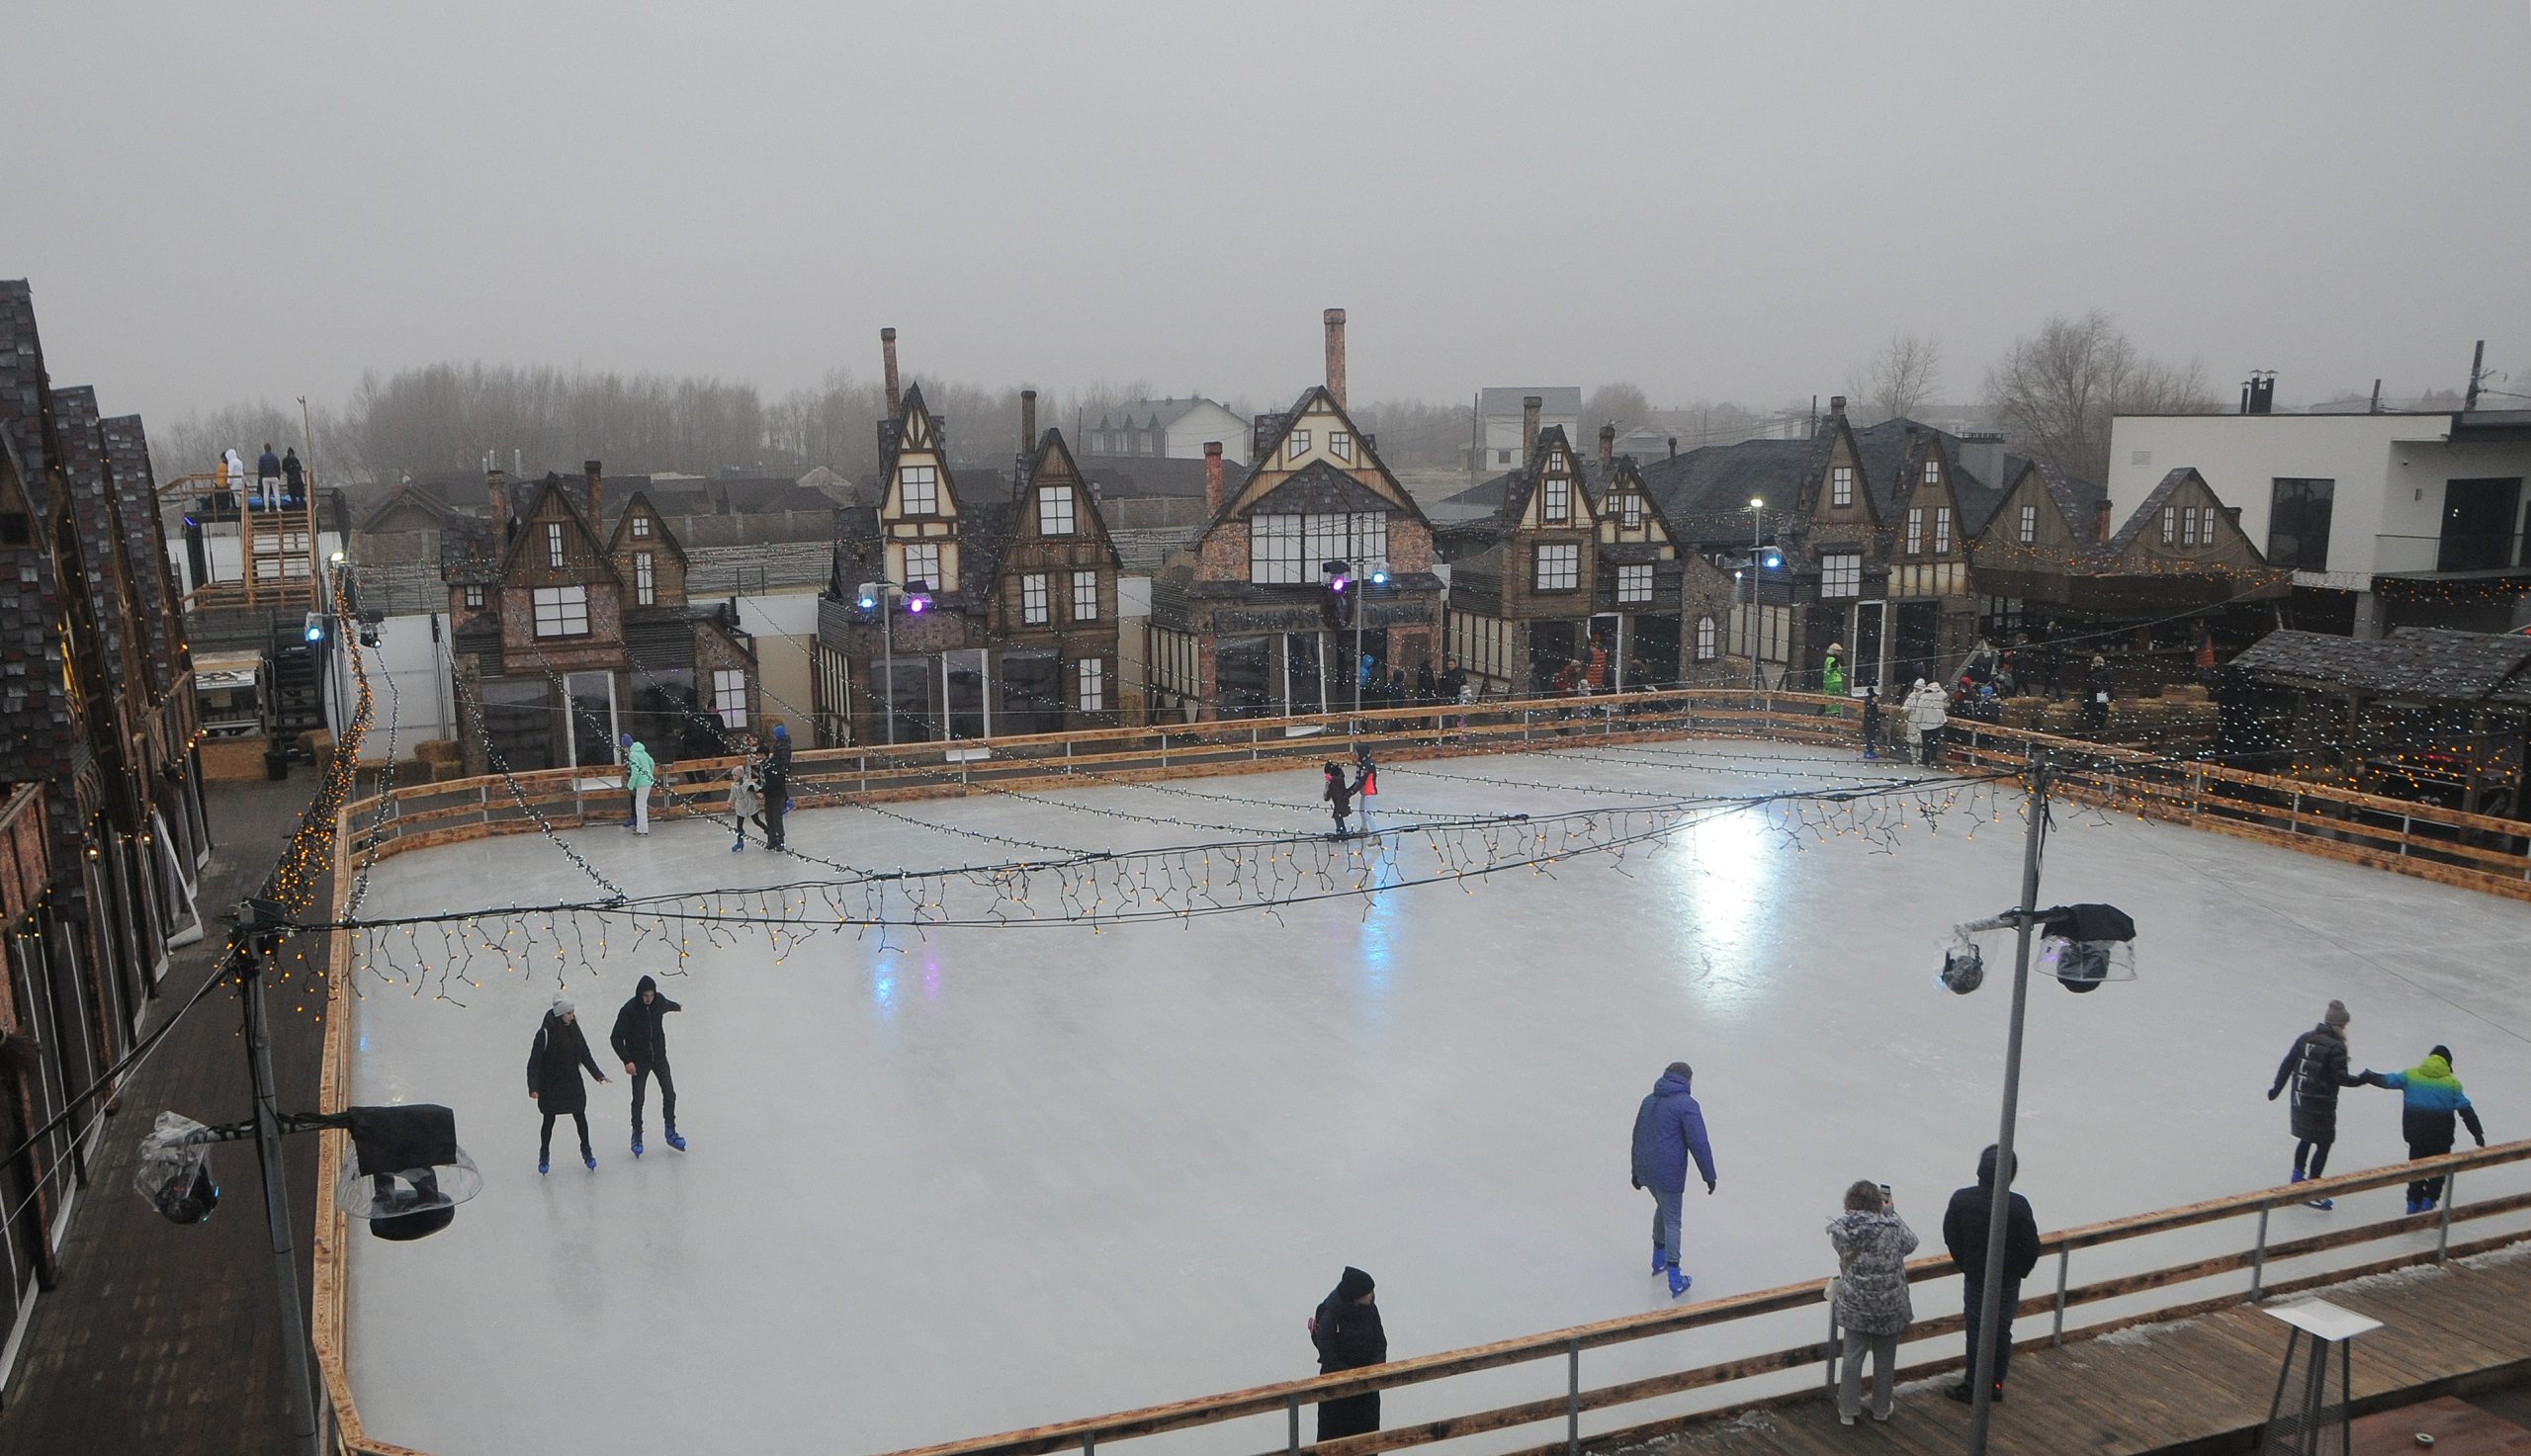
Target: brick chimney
595 473
887 358
497 485
1336 355
1608 448
1837 405
1213 479
2100 520
1027 422
1530 405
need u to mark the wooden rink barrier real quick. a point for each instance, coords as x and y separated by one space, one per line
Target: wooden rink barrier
2443 845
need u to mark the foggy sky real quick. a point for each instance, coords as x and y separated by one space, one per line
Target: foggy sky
253 200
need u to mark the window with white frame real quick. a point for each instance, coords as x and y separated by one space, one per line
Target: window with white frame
561 611
1558 567
1054 510
646 581
2029 524
1631 510
1340 444
1916 528
1634 585
554 543
1356 538
1502 457
1558 503
474 596
1942 529
923 566
1093 674
1707 632
1274 549
1033 609
641 525
919 490
1933 471
1084 596
2188 525
1841 486
2170 524
1841 574
1299 445
730 696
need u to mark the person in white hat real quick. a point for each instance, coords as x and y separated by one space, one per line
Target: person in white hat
1832 679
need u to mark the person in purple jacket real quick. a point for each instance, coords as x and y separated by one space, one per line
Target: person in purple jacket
1669 1130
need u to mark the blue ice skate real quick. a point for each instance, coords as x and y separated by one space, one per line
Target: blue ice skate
590 1158
676 1139
1660 1260
544 1165
637 1141
1679 1282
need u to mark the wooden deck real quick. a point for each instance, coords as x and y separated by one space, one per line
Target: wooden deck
2200 1385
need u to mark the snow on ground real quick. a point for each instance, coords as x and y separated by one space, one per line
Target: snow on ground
1002 1178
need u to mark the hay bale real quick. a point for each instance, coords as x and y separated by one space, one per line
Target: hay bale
447 769
2189 692
439 750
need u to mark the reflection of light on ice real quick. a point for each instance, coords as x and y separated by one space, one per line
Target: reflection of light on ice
1727 874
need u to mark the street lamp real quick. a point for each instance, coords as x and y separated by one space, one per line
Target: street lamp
874 595
2086 945
1757 523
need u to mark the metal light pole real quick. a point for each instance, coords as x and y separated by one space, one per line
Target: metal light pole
259 1056
1757 524
1981 1385
886 663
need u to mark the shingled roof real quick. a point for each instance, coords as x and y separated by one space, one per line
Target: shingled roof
2412 662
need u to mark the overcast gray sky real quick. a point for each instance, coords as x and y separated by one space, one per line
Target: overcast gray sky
1740 201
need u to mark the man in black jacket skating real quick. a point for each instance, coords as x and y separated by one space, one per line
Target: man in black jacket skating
1964 1233
642 1043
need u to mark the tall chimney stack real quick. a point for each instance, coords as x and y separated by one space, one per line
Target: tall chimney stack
594 472
2100 520
888 354
1027 422
498 487
1336 355
1607 449
1674 447
1837 405
1530 405
1213 479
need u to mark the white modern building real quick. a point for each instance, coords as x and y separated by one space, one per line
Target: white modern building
1499 411
2386 520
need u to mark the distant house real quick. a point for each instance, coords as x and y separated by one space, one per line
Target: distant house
1500 413
1172 429
565 635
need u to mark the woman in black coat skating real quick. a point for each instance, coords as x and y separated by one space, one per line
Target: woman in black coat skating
554 1063
1339 796
2316 1066
1347 1331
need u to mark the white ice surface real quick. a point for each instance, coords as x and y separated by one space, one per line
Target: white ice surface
1002 1178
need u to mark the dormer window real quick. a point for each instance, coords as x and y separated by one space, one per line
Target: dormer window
1339 445
2029 524
1299 444
475 597
919 490
1841 486
1557 506
1933 472
641 527
1054 510
554 543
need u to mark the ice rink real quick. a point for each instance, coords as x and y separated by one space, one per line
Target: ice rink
986 1179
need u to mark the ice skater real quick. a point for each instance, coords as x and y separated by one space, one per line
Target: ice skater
1964 1234
640 773
1339 796
1669 1129
777 787
1871 723
641 1042
1927 718
744 799
1366 783
1871 1305
1832 680
2433 1098
2317 1067
554 1063
1347 1331
2096 686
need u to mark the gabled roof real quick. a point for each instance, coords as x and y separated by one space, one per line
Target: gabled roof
1272 446
421 495
2149 509
1320 487
1152 414
1120 476
623 525
1890 453
558 488
2411 663
1513 491
1706 493
1053 453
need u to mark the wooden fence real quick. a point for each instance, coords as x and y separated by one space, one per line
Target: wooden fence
2445 845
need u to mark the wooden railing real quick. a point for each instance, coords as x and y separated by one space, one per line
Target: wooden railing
2412 838
1567 1408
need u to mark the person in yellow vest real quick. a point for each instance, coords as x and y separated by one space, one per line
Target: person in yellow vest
1832 679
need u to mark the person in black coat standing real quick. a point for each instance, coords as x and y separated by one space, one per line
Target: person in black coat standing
2317 1067
1339 797
641 1042
1347 1331
554 1063
775 776
1964 1233
2096 688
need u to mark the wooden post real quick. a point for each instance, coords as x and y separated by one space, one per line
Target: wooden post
2258 1258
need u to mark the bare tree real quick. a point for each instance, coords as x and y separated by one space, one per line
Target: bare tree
1898 383
2057 391
1621 404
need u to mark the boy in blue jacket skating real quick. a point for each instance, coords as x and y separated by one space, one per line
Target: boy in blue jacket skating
1669 1129
2433 1099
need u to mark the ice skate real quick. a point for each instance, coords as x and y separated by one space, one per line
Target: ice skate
676 1139
590 1158
1659 1262
637 1141
1679 1282
544 1165
2322 1203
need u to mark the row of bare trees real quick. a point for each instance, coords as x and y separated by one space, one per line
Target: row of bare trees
2052 395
